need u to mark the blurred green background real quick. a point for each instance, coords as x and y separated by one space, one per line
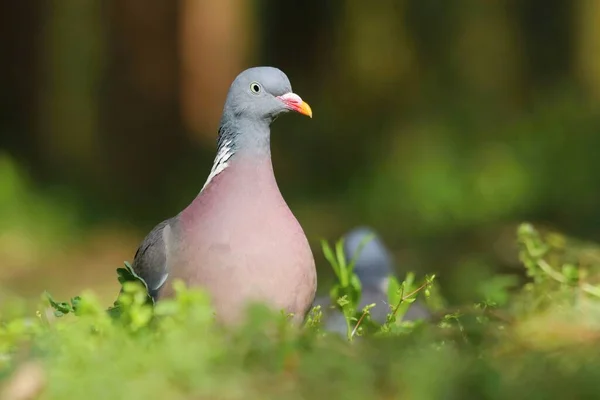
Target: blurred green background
441 124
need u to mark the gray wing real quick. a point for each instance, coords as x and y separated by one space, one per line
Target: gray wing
150 260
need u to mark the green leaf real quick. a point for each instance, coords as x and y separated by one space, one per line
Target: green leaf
359 249
115 311
60 308
409 282
127 274
341 261
343 301
355 283
328 253
570 272
394 291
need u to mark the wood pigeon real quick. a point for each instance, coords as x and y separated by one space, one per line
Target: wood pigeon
238 239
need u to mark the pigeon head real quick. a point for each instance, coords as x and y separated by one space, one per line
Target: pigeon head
255 98
374 263
258 95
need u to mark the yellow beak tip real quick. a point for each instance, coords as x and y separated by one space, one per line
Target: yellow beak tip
306 110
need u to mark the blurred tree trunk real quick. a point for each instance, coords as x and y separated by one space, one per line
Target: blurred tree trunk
20 27
71 68
375 53
299 38
547 38
142 134
216 40
486 52
587 23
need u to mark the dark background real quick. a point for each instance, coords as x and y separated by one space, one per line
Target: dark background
441 124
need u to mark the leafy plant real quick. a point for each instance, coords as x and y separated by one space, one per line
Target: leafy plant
539 342
346 292
402 295
62 308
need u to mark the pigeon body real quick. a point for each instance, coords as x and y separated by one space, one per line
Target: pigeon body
373 267
238 238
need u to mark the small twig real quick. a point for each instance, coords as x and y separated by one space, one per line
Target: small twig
473 310
550 271
357 324
403 298
586 287
590 289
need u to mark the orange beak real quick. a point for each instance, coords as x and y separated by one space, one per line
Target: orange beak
295 103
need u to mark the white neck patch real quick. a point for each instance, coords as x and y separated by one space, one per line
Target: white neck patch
221 161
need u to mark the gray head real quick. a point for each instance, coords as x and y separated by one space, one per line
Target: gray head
374 263
255 98
258 95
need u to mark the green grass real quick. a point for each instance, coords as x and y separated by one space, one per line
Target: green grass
539 341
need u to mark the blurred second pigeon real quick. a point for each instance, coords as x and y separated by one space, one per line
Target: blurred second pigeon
374 266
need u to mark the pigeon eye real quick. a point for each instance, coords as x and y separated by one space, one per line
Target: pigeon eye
255 87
